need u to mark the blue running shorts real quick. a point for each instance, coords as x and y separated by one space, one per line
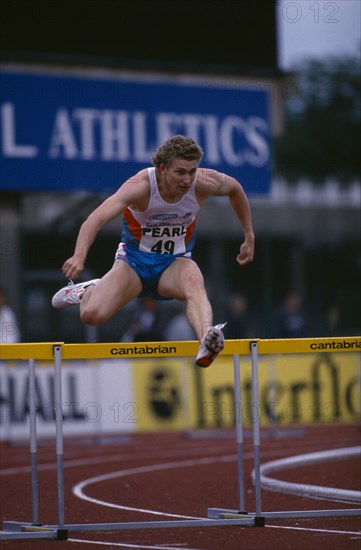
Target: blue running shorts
148 266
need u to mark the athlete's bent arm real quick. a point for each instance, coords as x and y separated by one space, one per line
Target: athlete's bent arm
228 186
240 205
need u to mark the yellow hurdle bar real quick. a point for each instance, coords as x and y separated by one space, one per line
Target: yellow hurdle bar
138 350
310 345
118 350
40 350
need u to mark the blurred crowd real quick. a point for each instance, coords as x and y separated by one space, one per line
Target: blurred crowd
149 321
9 329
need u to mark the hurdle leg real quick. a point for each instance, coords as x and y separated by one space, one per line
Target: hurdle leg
59 434
7 418
184 395
359 385
271 367
239 430
256 433
33 444
16 530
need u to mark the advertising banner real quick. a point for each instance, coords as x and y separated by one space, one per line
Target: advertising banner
293 389
67 133
115 396
97 399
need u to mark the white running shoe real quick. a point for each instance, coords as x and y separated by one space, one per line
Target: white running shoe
71 294
211 344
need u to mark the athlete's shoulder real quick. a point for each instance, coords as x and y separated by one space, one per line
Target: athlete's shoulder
208 175
134 192
138 183
210 181
140 178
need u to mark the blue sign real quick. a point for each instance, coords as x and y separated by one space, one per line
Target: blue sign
63 133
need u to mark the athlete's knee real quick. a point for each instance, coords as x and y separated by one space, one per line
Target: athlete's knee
92 316
196 278
195 283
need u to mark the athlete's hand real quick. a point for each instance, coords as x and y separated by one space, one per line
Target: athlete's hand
73 267
246 252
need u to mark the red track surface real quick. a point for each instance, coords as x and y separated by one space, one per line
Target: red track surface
199 471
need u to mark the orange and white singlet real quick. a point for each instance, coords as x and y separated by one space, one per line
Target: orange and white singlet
163 228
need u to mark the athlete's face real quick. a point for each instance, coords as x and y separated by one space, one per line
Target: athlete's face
180 174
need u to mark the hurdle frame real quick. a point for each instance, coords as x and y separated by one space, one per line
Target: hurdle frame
59 351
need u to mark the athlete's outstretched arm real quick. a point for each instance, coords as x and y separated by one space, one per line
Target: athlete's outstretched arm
130 192
102 215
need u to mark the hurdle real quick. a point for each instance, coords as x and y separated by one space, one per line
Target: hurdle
59 352
289 346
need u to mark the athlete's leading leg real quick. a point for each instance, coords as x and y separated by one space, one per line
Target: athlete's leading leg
183 280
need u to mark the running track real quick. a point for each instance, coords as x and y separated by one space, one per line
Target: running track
164 476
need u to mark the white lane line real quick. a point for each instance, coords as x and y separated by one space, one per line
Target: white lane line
129 545
174 547
331 531
78 489
98 460
306 490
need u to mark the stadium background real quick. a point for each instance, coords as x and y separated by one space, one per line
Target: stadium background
311 244
308 238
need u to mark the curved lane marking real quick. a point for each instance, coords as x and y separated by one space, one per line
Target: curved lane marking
128 545
330 531
305 490
98 460
78 489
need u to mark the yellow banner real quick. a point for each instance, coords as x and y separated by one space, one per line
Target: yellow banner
161 389
293 389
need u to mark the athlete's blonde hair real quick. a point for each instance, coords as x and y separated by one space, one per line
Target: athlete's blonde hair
177 147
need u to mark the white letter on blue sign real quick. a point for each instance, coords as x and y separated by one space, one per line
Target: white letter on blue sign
10 147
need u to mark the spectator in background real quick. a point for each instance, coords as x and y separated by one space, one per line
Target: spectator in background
332 321
10 333
146 324
290 319
237 318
